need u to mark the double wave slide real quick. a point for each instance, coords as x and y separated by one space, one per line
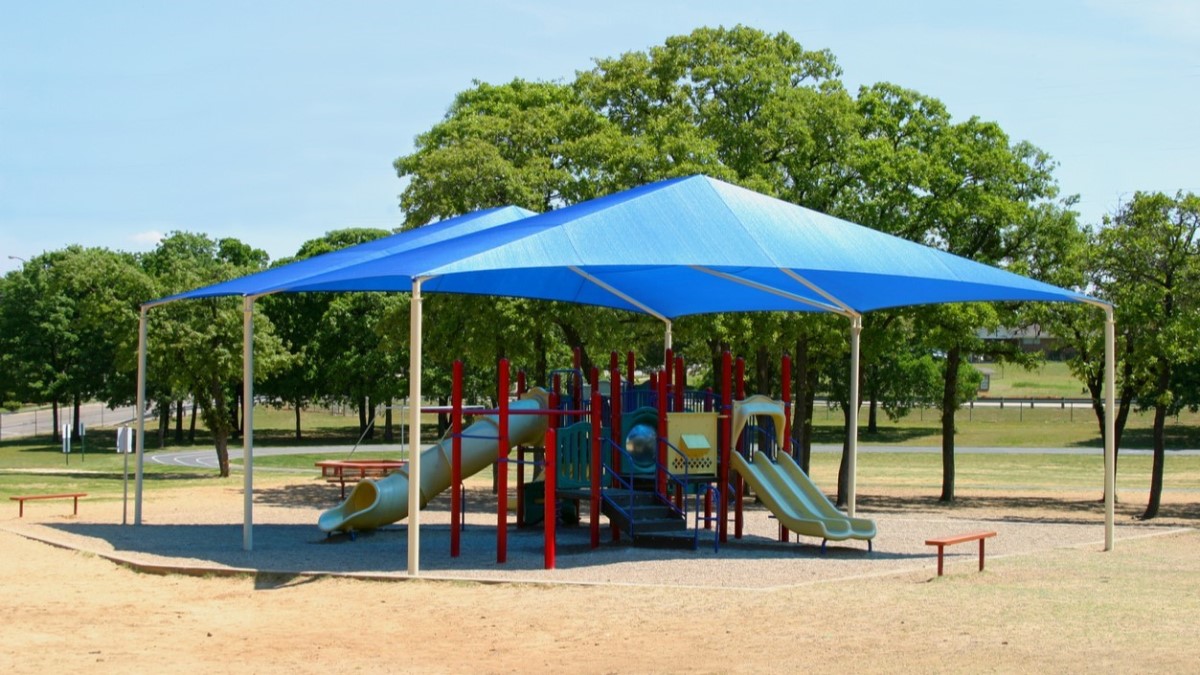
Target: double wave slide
788 493
375 503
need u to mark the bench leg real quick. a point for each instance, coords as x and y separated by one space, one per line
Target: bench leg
21 509
981 554
941 549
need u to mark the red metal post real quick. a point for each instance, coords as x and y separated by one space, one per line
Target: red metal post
786 374
660 474
594 501
630 367
723 424
550 511
785 446
502 461
667 373
708 505
521 457
521 386
456 519
680 383
577 383
739 484
616 401
653 382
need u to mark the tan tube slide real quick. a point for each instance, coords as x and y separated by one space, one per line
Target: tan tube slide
375 503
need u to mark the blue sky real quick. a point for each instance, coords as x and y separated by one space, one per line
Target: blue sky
275 122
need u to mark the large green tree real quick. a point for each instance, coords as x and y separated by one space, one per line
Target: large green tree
197 345
67 323
963 187
1151 271
335 341
760 110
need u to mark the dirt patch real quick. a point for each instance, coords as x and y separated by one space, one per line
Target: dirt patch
1049 599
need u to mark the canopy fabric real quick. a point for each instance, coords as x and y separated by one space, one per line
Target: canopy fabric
676 247
673 248
285 277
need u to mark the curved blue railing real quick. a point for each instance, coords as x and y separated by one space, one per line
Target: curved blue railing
625 481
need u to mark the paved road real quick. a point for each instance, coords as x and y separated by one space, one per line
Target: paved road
35 422
208 458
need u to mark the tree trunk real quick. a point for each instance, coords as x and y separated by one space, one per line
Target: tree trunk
179 421
164 422
219 431
541 367
805 391
443 418
362 414
949 408
296 406
1160 443
763 372
1156 472
54 416
221 441
873 413
192 424
574 339
388 435
76 405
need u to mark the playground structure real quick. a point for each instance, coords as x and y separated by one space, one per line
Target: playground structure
662 462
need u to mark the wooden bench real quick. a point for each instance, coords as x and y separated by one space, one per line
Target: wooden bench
23 498
942 542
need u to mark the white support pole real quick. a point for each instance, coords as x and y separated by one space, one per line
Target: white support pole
1110 425
141 415
852 432
248 423
414 432
667 342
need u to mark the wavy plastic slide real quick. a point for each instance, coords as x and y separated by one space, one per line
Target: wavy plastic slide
798 503
784 487
375 503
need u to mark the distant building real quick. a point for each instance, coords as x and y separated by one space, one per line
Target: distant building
1030 339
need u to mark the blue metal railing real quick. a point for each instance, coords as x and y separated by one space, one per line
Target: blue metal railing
625 481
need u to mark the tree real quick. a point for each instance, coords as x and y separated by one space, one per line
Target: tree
1151 271
961 187
68 321
334 341
755 109
198 350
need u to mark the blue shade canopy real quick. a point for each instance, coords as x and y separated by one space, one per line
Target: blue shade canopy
285 277
673 248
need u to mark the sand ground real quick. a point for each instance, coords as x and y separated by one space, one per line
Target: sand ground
96 599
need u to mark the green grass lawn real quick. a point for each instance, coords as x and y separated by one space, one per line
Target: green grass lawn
1052 379
37 465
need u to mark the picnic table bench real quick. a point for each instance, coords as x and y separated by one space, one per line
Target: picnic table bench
942 542
21 499
342 471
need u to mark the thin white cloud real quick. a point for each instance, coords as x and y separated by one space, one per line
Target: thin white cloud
148 238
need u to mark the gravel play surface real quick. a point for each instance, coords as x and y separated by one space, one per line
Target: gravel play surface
200 529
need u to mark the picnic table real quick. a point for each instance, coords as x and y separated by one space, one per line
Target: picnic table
342 471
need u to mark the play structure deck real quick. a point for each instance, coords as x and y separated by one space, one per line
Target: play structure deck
665 465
